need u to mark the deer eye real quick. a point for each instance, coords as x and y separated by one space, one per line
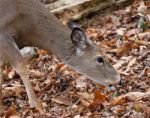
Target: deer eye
100 60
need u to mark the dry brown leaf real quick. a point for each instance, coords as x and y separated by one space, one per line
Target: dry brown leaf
132 62
147 72
140 107
121 31
137 95
46 84
37 88
119 64
145 35
144 55
90 31
62 101
101 87
124 49
118 101
59 66
136 2
11 112
132 32
142 8
80 83
11 74
147 3
140 38
84 95
85 103
120 110
94 106
109 42
14 90
77 116
132 95
42 52
99 98
37 73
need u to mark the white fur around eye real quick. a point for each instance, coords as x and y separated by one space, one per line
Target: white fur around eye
99 64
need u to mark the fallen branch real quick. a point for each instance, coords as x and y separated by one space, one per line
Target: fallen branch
81 8
60 5
99 7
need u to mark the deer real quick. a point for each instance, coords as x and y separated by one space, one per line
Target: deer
28 23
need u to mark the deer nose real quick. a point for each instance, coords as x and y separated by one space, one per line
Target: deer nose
116 80
112 85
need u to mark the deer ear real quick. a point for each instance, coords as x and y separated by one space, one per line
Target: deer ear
78 36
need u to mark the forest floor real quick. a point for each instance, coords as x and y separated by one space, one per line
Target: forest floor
124 35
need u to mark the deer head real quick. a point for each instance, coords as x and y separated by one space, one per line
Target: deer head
89 59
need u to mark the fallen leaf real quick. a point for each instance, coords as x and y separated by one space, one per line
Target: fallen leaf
11 74
42 52
119 64
137 107
11 113
140 107
137 95
132 32
37 88
108 43
37 73
62 101
131 95
84 95
147 72
99 98
85 103
118 101
14 90
145 35
142 8
59 66
121 31
144 55
131 63
147 4
77 116
80 83
120 110
94 106
124 49
115 20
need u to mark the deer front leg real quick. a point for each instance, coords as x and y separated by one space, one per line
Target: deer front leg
12 54
19 65
21 69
